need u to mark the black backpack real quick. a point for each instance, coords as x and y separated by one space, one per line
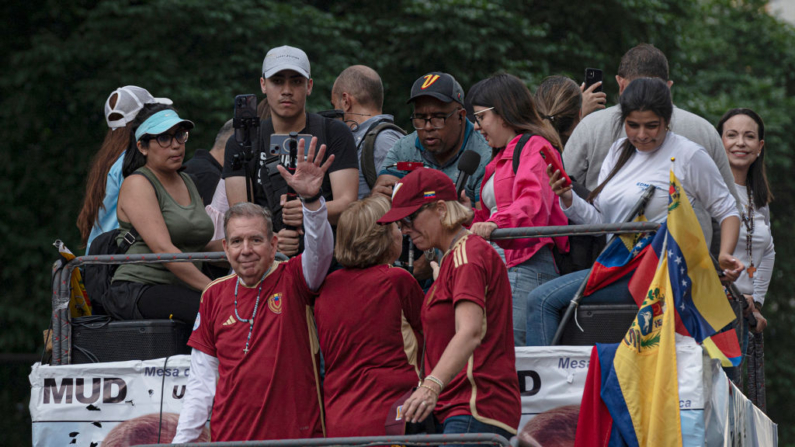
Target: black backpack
583 250
97 277
367 160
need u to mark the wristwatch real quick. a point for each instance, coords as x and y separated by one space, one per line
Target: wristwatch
313 199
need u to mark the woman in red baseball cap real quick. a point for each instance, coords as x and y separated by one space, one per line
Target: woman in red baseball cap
466 315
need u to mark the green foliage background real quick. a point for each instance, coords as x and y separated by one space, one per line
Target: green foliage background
62 59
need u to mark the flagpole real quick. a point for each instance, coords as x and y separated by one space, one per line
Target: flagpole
575 301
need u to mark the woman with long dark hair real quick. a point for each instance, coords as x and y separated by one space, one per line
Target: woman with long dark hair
98 214
743 135
167 211
504 111
633 163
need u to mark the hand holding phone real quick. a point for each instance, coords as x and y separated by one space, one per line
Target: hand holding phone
552 160
592 76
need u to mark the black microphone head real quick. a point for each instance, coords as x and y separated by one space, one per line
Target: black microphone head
469 162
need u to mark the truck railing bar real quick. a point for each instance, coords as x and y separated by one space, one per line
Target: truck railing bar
574 230
61 327
418 440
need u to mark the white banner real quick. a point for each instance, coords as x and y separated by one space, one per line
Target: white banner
552 378
117 403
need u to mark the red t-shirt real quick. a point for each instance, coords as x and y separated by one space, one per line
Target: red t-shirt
368 321
488 387
273 391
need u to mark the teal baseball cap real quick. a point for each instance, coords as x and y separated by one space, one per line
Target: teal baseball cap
161 122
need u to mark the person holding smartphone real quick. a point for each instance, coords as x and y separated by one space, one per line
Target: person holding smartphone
633 163
512 197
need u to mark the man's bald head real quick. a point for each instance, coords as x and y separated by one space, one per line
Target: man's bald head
362 83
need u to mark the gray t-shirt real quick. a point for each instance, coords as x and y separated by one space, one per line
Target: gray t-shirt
383 142
591 140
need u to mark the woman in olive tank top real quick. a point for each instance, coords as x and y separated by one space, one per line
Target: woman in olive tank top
165 207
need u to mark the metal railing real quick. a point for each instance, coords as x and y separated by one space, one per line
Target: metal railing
61 352
468 438
61 291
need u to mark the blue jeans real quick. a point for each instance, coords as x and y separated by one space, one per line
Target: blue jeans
524 278
546 303
468 424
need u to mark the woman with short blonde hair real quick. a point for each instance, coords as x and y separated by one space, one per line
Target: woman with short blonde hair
368 321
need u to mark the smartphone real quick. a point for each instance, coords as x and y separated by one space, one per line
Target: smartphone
551 159
592 76
245 118
280 143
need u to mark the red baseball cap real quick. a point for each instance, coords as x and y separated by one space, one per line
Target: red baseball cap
419 187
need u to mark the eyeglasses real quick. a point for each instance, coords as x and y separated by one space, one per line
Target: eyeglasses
408 221
478 117
164 139
437 121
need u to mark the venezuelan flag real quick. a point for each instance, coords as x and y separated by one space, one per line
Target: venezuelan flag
725 347
700 300
621 257
642 393
701 304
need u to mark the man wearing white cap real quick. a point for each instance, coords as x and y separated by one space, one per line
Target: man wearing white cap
286 81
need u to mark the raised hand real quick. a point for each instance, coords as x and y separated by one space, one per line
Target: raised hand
592 101
309 173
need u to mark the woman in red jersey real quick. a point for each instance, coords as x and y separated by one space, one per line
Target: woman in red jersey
466 315
368 320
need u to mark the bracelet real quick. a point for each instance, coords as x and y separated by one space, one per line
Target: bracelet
429 388
436 381
313 199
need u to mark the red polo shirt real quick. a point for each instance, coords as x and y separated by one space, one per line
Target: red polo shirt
273 391
488 387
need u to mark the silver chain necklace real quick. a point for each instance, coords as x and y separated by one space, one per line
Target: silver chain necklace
250 321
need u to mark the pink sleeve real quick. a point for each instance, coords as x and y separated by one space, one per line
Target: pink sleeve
532 199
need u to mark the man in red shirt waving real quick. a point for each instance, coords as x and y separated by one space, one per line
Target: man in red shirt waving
255 331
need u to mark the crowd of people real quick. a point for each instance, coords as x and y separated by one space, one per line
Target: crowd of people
364 276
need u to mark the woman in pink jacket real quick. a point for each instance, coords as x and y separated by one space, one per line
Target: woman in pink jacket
505 112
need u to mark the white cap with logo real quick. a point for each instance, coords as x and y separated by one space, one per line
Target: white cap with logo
285 58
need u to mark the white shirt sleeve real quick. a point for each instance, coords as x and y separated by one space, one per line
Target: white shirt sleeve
198 397
764 271
581 212
318 246
708 186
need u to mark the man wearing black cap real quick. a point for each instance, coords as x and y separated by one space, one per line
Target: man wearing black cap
442 134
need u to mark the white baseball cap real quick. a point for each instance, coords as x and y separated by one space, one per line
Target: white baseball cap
285 58
129 100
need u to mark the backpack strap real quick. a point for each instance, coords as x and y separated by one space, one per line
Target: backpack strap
367 158
132 236
517 150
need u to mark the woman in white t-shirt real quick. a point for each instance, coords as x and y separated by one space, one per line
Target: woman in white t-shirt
632 164
743 135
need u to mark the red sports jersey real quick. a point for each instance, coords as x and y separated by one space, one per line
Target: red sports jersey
369 325
488 387
271 392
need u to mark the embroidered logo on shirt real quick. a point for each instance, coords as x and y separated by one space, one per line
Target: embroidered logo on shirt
197 322
230 320
275 303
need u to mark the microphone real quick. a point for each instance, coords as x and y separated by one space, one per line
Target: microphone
467 165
